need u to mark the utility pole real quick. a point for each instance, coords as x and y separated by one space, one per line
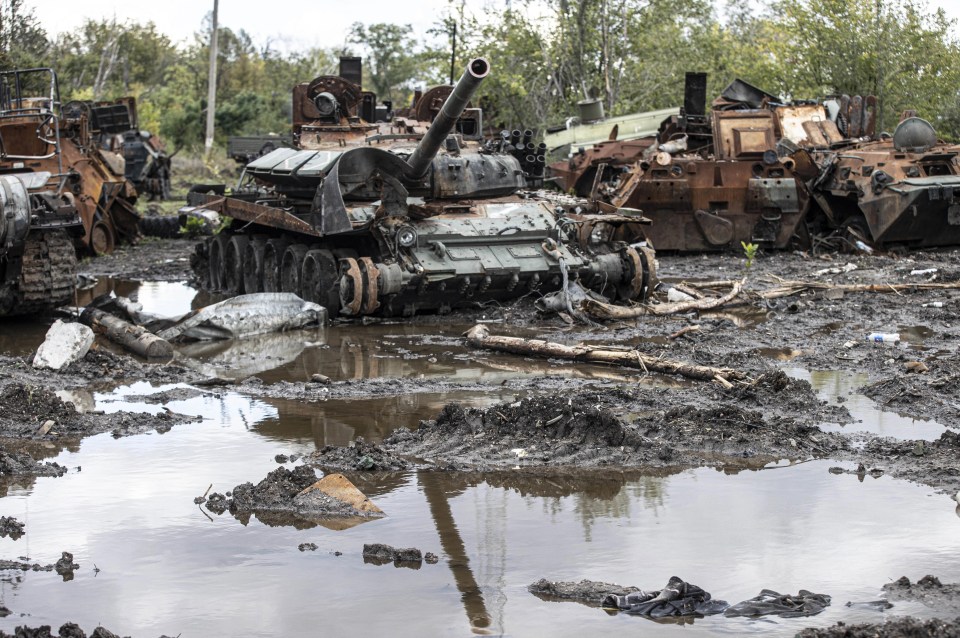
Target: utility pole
212 84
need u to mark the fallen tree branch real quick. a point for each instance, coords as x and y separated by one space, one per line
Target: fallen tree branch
479 337
790 288
610 311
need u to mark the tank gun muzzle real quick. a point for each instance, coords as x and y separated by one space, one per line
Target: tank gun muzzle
419 161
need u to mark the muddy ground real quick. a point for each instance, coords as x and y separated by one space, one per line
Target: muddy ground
613 421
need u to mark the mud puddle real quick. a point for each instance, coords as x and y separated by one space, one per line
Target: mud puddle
168 566
840 386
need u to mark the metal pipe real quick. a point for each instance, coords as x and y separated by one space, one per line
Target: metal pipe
422 156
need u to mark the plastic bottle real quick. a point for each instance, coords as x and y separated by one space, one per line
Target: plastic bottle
884 337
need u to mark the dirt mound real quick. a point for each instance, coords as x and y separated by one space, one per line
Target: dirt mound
935 463
928 590
67 630
282 498
9 526
380 554
362 456
22 464
24 408
934 394
894 628
589 592
586 429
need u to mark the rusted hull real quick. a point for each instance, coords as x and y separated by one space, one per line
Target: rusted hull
707 205
893 197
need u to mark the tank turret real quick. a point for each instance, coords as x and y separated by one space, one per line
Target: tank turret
405 216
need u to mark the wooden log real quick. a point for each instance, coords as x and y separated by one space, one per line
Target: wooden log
609 311
479 337
134 338
789 288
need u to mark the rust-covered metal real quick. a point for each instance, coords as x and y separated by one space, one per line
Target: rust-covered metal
402 216
40 137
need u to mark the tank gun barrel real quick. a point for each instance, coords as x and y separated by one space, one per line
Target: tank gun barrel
419 161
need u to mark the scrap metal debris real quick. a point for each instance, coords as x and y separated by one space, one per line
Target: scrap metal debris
247 315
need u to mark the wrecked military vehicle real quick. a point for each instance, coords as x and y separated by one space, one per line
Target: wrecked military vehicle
399 217
902 189
116 126
713 180
37 256
40 137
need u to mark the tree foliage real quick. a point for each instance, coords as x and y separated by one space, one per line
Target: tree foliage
546 55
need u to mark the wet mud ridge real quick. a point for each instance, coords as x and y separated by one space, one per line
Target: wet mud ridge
929 591
616 428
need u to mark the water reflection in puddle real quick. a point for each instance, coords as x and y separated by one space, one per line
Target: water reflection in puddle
831 384
167 568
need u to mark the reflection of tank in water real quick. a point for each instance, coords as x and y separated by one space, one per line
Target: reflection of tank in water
392 218
904 189
37 257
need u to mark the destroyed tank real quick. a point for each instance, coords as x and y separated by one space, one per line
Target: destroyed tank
42 138
38 261
903 189
399 217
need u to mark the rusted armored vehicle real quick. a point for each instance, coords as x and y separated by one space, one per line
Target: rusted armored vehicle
405 216
713 180
60 144
902 189
37 256
116 127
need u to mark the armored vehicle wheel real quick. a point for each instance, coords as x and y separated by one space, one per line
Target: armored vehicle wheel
272 258
290 268
253 265
233 264
319 279
215 257
102 241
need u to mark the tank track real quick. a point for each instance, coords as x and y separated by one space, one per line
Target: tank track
48 276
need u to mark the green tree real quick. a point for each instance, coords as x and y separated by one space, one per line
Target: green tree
23 42
391 62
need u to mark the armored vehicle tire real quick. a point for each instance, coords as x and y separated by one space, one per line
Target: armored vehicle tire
215 257
102 241
272 258
319 278
253 265
233 264
290 268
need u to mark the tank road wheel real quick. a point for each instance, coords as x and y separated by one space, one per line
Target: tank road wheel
233 264
272 258
102 241
253 266
215 257
319 280
290 268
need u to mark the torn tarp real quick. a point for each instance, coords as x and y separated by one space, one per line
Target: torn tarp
246 315
769 602
678 598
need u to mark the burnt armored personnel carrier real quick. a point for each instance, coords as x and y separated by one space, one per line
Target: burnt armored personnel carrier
903 189
715 179
404 216
37 256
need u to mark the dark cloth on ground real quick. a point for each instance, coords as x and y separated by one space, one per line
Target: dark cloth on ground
678 598
770 602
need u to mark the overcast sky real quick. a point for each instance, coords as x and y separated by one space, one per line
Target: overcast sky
285 24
